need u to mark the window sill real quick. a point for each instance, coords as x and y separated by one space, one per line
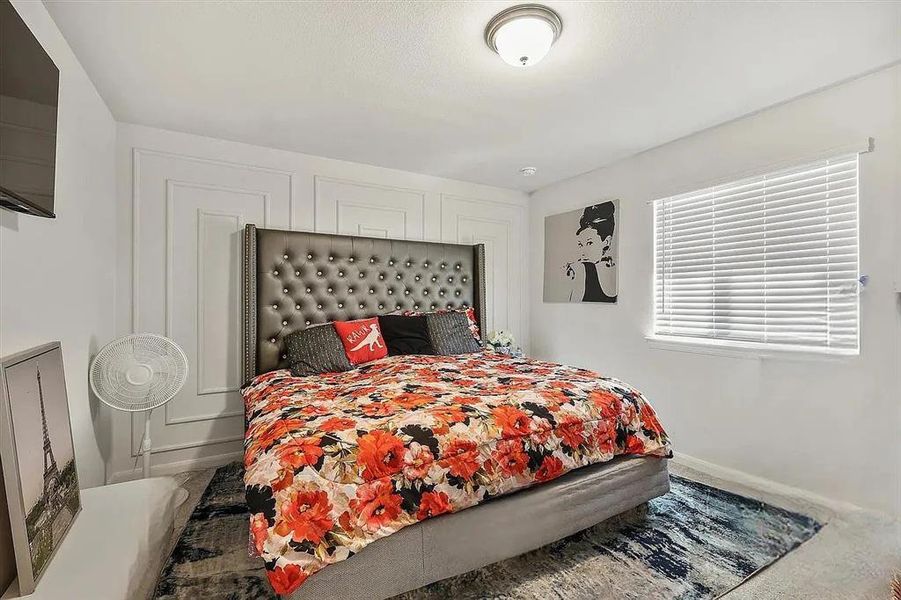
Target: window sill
745 350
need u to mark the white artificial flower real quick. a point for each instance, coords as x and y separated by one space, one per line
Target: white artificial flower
501 339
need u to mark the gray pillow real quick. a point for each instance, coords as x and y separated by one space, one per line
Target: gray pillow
450 334
316 350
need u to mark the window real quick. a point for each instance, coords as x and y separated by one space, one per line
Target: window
766 262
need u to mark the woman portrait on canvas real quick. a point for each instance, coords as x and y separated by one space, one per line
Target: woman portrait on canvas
592 274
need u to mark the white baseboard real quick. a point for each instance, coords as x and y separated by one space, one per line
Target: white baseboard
761 483
194 464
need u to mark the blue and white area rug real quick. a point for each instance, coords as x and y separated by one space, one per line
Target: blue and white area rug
697 542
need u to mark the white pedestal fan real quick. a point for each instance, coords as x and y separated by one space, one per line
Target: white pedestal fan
138 373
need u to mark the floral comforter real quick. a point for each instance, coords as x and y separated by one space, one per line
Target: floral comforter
337 461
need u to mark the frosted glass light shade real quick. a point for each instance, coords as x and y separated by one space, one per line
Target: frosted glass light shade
524 42
522 35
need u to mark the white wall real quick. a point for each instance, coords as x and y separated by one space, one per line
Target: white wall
183 201
57 275
832 426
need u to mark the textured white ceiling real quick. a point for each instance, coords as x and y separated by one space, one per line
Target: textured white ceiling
411 85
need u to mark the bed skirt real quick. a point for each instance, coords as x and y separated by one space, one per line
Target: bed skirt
452 544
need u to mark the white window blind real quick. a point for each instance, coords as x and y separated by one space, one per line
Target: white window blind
770 260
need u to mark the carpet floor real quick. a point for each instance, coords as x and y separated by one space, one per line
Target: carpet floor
697 542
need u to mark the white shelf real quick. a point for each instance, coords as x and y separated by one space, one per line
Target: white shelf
115 546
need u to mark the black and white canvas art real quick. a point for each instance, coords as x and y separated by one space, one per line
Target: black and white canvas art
580 251
38 458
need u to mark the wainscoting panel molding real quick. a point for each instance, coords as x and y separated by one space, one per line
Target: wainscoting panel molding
501 228
189 207
358 208
189 220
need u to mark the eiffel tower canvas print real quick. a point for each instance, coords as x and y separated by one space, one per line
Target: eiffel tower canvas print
38 458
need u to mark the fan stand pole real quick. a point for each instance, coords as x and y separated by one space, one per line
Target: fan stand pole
145 445
181 494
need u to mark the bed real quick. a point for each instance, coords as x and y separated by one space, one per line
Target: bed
411 469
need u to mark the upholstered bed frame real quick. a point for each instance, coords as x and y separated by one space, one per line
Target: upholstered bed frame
293 279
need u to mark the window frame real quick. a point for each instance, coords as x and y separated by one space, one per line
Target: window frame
753 349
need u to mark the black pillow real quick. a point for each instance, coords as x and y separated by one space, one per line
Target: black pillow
450 334
316 350
405 335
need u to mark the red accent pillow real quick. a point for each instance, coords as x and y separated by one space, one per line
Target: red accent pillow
362 340
473 326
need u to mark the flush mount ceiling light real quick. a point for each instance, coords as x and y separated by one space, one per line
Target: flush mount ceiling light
522 35
528 171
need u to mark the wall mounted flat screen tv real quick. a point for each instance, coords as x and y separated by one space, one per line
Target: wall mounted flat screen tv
29 90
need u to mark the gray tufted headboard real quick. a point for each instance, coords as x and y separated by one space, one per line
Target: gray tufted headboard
293 279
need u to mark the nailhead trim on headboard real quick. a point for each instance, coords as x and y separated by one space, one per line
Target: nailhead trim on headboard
249 280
